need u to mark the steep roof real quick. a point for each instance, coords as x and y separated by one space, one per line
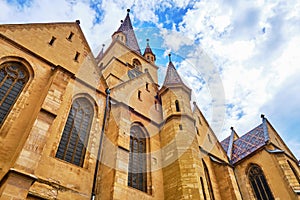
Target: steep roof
225 143
245 145
100 55
172 76
127 29
148 49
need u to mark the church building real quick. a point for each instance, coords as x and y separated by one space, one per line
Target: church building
75 126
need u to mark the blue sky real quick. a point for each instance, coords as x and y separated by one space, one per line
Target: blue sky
241 58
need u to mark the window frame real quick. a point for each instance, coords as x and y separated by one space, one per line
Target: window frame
256 175
64 146
139 134
7 69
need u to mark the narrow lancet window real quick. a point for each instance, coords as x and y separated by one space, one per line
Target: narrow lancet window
73 143
137 171
177 106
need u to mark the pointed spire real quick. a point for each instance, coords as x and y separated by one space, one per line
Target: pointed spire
172 76
127 29
148 51
101 53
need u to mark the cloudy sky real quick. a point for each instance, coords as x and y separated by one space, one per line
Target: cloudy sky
241 59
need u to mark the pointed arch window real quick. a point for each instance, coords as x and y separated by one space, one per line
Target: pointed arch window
177 106
137 168
209 185
73 143
259 183
13 77
294 172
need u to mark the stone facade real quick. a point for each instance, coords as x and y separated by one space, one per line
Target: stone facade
182 158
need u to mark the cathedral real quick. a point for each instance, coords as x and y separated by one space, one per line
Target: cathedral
74 126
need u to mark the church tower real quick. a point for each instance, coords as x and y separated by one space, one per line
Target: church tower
148 54
178 141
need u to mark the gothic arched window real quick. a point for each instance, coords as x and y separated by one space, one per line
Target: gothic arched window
13 77
294 172
259 183
209 185
137 168
73 143
177 106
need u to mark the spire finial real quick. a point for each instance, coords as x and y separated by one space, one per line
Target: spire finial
170 57
122 21
262 116
128 10
147 41
232 128
103 45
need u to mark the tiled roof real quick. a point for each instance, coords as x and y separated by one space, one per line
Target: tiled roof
225 143
127 29
247 144
172 77
148 50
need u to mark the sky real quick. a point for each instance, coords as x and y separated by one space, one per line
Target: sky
241 58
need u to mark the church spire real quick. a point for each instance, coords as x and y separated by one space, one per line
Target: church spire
101 53
127 29
172 76
148 54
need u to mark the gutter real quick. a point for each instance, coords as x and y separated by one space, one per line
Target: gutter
93 195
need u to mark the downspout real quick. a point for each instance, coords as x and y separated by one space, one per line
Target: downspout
93 196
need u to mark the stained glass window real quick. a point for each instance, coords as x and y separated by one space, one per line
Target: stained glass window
259 183
13 77
137 171
73 143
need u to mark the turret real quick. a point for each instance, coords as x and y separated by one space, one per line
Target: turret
178 138
125 34
175 95
148 54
